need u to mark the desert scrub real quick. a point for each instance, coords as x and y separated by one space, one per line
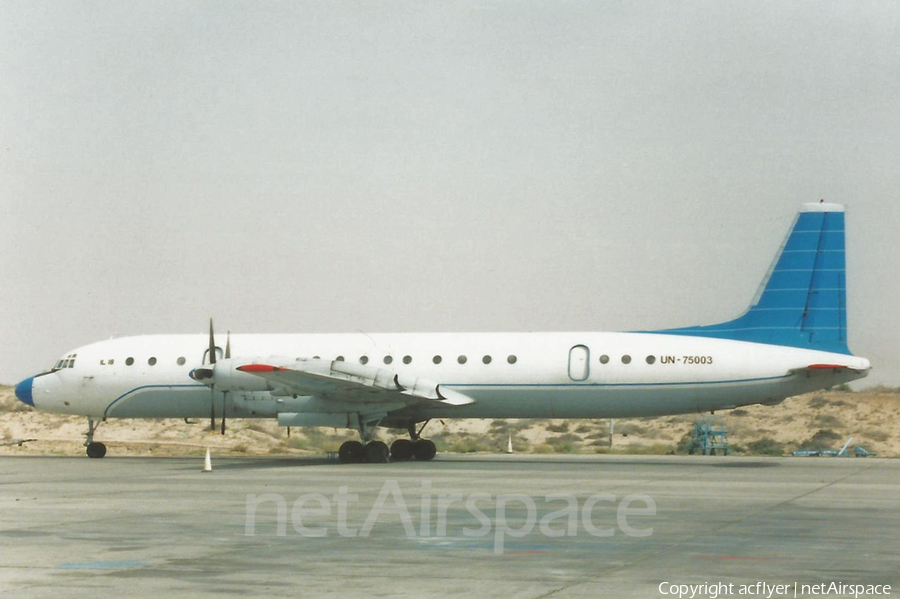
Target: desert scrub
823 439
876 435
567 443
652 449
765 446
883 389
562 427
817 401
501 427
827 421
259 427
470 446
684 444
296 443
629 428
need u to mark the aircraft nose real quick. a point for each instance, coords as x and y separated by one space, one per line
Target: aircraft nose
23 391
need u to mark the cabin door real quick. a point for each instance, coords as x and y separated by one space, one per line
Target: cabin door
579 363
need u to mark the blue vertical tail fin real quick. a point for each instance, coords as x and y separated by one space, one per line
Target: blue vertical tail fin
802 300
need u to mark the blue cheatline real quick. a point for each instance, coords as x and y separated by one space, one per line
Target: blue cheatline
802 301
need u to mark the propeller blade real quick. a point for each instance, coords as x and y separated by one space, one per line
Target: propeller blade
212 343
212 409
228 346
212 388
224 409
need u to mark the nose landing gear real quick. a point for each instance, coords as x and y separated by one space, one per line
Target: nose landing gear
95 449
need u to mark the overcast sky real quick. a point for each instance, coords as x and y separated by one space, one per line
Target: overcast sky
434 166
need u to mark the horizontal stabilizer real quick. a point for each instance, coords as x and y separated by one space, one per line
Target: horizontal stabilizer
823 369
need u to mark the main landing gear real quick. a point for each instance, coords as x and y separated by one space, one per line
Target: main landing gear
421 450
95 449
376 452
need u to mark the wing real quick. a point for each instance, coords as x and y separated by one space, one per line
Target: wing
342 381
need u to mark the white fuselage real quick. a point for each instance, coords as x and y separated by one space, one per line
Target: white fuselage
528 375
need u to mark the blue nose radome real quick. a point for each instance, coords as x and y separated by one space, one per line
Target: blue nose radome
23 391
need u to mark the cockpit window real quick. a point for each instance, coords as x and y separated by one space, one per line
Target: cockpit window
67 362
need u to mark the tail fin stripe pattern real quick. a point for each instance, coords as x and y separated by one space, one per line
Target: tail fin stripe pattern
802 302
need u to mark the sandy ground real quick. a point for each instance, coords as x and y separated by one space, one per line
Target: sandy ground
819 420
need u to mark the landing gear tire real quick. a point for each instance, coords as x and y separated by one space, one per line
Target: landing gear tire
401 450
352 452
96 450
423 450
377 452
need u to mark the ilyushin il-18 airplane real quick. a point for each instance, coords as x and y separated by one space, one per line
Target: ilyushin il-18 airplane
791 340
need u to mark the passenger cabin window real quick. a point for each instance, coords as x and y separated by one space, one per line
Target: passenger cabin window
364 359
129 361
651 359
339 359
626 359
152 361
512 359
486 359
437 359
462 359
388 359
181 361
604 359
407 359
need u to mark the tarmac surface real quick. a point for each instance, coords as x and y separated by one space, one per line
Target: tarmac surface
158 527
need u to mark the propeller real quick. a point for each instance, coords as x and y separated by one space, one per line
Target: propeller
225 393
206 373
212 387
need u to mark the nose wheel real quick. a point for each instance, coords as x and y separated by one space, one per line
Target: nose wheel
95 449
